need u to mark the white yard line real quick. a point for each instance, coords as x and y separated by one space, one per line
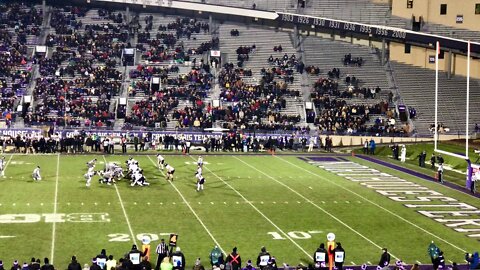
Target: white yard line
54 224
260 212
191 209
8 162
134 239
377 205
316 206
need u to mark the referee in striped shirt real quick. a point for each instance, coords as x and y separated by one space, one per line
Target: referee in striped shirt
162 251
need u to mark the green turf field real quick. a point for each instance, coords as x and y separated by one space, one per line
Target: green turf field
281 202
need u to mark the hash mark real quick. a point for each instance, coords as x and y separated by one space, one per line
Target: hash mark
41 204
310 187
211 203
237 202
13 204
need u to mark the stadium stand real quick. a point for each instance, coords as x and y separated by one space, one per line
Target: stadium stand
417 87
81 78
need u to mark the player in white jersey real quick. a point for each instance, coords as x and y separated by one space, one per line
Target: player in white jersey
138 179
160 161
3 164
88 177
107 178
199 170
91 165
200 181
170 172
131 161
111 166
118 173
200 161
36 174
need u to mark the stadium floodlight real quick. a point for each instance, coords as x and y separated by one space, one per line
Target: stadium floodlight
467 112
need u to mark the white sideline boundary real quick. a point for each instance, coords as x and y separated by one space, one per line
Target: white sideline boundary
316 206
379 206
256 209
134 239
191 209
54 224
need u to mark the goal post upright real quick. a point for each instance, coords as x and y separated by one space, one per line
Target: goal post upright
467 136
435 128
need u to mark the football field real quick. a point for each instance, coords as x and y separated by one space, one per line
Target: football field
285 203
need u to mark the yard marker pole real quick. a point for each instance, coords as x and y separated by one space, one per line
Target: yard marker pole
437 51
468 99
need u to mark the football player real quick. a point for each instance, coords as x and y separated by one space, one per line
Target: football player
36 174
161 161
200 162
200 181
170 172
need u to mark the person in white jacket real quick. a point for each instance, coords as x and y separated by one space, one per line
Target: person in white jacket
403 153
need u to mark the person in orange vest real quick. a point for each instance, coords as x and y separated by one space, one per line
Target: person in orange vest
145 248
234 260
330 249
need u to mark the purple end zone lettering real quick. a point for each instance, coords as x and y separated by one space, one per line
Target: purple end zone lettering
413 195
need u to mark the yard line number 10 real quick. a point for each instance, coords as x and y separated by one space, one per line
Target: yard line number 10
123 237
